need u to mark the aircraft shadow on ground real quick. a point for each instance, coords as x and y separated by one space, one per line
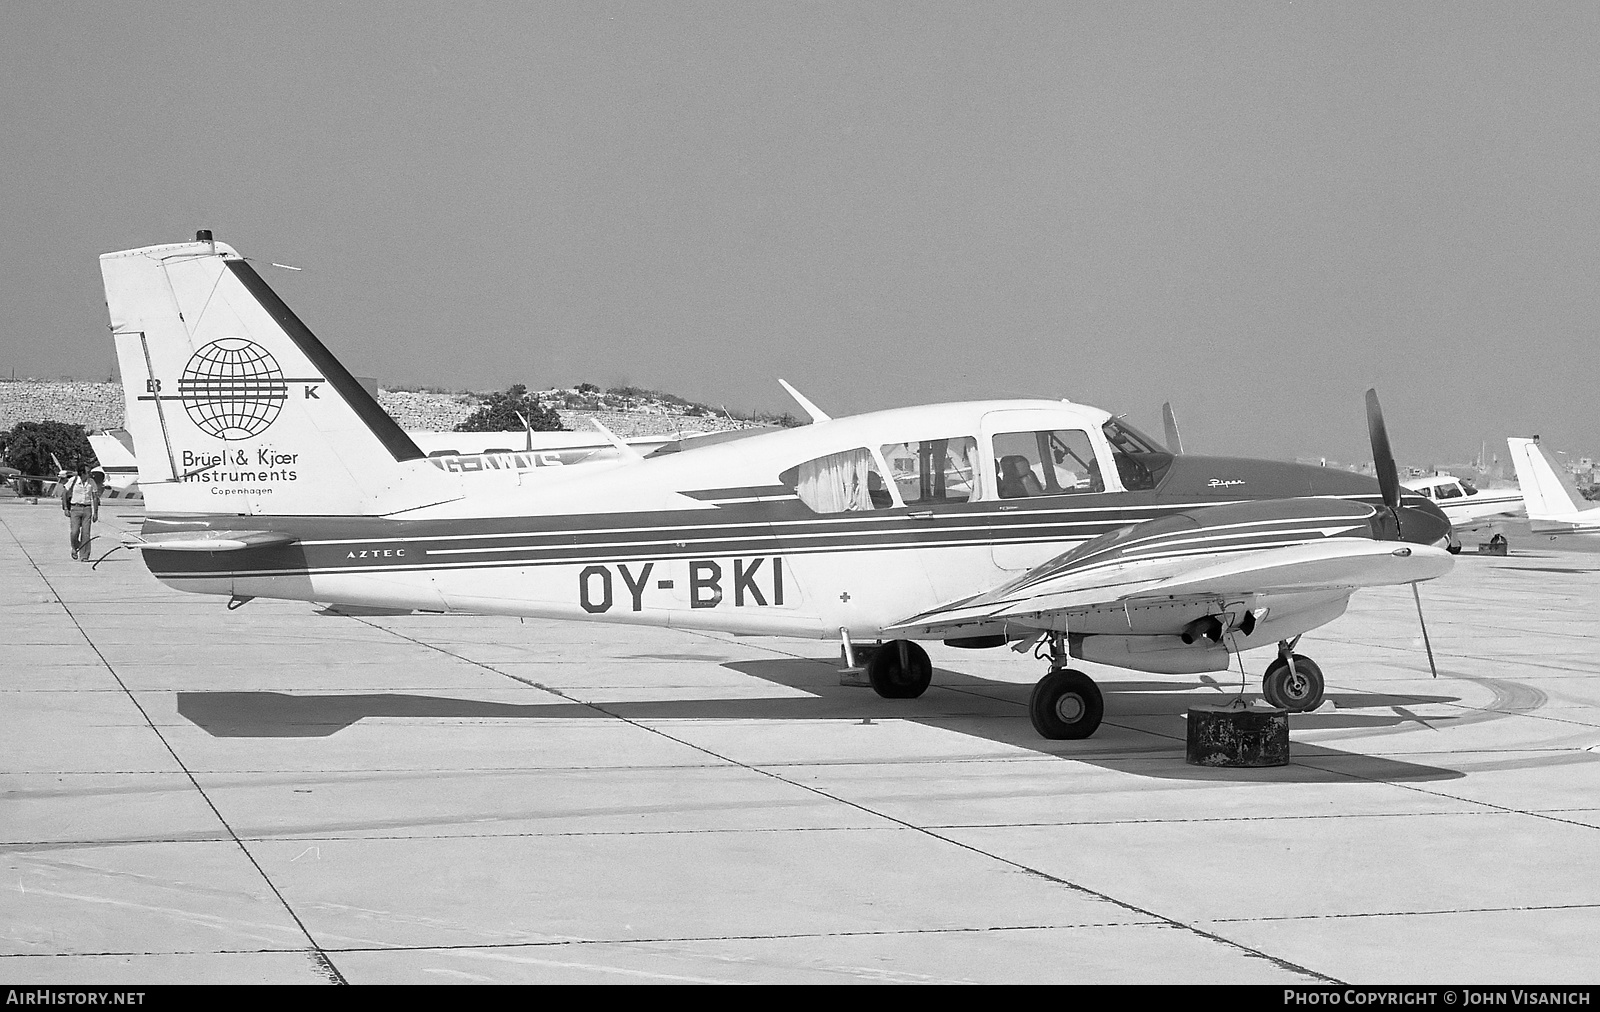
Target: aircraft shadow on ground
994 711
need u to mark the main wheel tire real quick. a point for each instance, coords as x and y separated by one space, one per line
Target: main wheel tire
900 670
1066 705
1453 549
1296 691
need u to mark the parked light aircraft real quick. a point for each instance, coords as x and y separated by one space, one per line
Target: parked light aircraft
1040 523
1468 507
1551 495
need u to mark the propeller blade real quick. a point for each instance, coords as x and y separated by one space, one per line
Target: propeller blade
1420 621
1382 455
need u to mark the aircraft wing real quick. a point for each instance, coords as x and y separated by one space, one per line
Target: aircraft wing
1289 555
209 541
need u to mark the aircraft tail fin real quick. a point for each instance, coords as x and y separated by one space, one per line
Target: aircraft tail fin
235 405
1546 488
116 461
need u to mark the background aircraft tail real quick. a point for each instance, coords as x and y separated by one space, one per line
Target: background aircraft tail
117 463
236 407
1548 490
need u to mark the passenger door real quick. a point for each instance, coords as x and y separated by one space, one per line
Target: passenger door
1045 476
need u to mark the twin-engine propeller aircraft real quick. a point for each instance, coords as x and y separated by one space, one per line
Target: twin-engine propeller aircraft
268 471
1552 496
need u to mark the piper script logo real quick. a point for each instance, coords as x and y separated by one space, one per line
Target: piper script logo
233 389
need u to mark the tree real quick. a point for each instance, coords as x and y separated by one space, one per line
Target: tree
34 447
498 413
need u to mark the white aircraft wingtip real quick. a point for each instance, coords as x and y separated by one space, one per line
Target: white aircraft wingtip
816 413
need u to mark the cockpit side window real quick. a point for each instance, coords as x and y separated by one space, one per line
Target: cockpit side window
1050 462
841 482
933 471
1450 492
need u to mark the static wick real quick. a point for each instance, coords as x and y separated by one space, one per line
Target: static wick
288 268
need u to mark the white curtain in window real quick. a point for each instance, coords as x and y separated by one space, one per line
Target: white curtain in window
963 458
836 483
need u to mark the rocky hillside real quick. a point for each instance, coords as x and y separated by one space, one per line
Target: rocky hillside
93 405
628 413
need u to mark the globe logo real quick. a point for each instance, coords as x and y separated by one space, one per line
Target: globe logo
232 388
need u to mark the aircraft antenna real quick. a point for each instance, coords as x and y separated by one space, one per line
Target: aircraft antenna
628 452
1168 419
816 413
527 428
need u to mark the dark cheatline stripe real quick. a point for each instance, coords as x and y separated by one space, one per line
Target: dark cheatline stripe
393 438
600 545
771 528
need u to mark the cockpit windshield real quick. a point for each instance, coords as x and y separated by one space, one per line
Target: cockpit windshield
1141 461
1124 438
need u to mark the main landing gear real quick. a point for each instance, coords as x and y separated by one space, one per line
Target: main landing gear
899 669
1292 682
1066 704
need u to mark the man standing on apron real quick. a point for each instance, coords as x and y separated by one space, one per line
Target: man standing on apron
80 501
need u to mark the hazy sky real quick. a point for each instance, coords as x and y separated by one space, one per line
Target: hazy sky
1253 210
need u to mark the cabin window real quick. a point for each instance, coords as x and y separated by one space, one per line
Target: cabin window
1054 462
841 482
932 471
1449 492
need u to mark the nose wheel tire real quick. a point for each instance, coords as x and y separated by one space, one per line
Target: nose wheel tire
900 670
1066 705
1298 690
